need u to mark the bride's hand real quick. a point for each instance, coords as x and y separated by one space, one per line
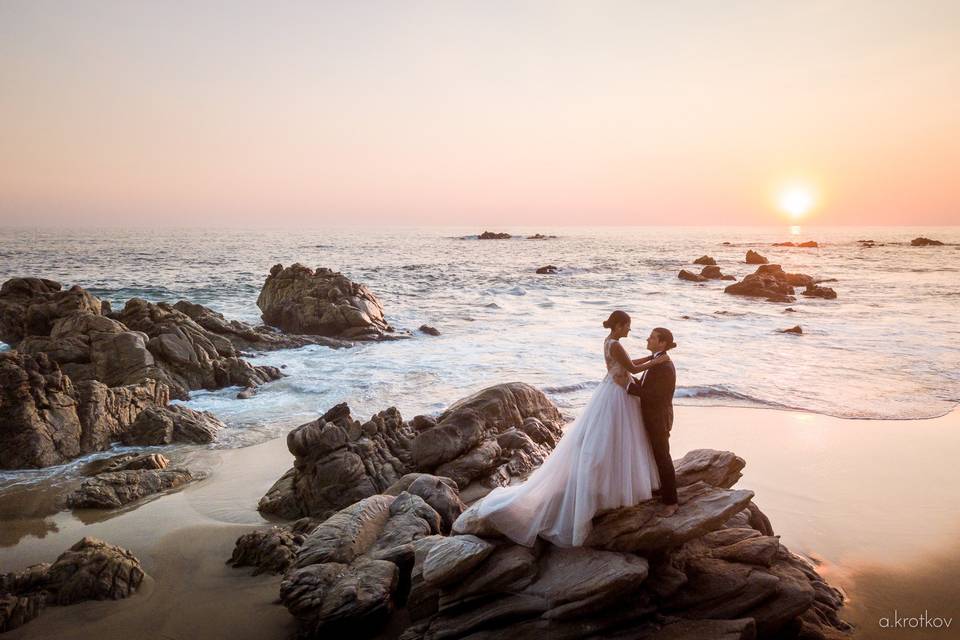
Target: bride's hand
660 359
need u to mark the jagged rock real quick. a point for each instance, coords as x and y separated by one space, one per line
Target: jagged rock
712 272
759 285
30 306
269 551
691 277
705 260
127 462
809 244
796 329
490 235
440 493
925 242
717 468
540 236
755 258
93 570
816 291
247 337
191 356
430 331
173 423
548 269
300 300
113 489
792 279
16 611
453 557
49 420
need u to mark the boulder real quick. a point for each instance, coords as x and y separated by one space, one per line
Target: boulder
548 269
766 286
712 272
796 329
755 258
690 277
816 291
269 551
705 260
113 489
925 242
49 420
173 423
540 236
321 302
127 462
809 244
430 331
792 279
490 235
246 337
31 306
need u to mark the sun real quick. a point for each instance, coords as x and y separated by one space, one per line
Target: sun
796 201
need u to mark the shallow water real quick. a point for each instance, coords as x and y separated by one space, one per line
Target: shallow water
888 347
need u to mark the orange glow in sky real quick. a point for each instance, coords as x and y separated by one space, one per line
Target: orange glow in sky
479 113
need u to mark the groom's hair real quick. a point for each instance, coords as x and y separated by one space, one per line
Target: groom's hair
666 336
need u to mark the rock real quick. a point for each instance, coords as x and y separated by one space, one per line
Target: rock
690 277
762 286
637 529
16 611
755 258
453 557
816 291
268 551
31 306
247 393
809 244
93 570
716 468
321 302
245 337
789 310
489 235
712 272
792 279
794 329
127 462
48 420
925 242
540 236
173 423
430 331
705 260
113 489
548 269
440 493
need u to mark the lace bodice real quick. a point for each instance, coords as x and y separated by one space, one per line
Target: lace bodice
615 371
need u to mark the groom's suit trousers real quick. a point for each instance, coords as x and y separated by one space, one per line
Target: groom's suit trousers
656 405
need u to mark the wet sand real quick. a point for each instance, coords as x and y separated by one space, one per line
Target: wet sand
873 500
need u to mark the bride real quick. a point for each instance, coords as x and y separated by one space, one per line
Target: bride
604 460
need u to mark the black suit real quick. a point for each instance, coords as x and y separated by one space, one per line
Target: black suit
656 406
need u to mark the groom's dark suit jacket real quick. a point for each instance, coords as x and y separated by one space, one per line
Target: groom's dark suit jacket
656 396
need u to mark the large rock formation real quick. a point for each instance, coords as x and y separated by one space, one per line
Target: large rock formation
760 285
925 242
713 570
174 423
90 570
112 489
143 342
482 441
323 302
45 419
755 258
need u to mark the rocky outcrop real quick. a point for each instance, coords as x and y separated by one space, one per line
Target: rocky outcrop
755 258
480 442
797 329
816 291
321 302
246 337
712 570
759 285
430 331
540 236
490 235
90 570
792 279
113 489
47 420
173 423
271 551
705 260
690 277
809 244
712 272
31 306
925 242
548 270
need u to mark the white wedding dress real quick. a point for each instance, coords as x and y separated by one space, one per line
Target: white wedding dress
604 460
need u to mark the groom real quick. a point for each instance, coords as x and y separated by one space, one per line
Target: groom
655 388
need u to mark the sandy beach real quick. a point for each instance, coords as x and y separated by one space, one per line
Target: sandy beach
872 500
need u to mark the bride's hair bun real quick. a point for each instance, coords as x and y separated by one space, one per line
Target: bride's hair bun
617 317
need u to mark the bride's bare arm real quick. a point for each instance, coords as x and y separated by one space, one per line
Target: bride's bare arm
642 360
620 354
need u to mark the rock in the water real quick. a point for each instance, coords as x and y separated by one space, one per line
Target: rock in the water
490 235
809 244
247 337
430 331
540 236
792 279
758 285
925 242
755 258
796 329
690 277
712 272
113 489
270 551
173 423
49 420
31 306
548 269
322 302
816 291
127 462
705 260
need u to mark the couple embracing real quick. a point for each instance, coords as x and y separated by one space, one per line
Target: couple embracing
616 453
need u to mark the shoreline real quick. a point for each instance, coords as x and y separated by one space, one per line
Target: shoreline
828 484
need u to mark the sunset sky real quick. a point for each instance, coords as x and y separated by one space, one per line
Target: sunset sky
478 113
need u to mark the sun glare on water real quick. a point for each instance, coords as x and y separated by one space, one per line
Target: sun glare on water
796 202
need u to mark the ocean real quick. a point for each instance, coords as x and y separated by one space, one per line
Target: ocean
887 347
